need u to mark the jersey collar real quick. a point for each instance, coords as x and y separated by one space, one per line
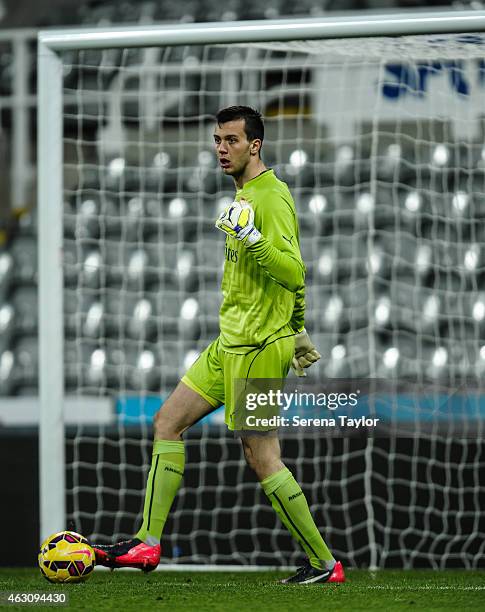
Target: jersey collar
257 178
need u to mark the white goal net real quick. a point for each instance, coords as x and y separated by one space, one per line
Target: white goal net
381 143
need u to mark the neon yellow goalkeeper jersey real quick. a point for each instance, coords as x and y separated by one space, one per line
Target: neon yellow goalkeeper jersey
263 284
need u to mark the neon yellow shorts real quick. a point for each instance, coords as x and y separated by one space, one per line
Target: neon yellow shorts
214 373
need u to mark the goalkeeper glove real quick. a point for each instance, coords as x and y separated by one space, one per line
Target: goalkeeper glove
237 221
305 353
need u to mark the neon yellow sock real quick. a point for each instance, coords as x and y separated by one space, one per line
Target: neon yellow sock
164 479
290 504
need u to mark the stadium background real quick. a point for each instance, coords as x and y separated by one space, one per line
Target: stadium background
18 262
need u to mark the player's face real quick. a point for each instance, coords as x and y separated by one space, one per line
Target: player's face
232 147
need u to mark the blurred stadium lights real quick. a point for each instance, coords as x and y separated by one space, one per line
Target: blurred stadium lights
390 162
206 159
143 310
440 156
6 264
431 310
88 208
365 203
344 156
333 311
326 262
222 203
481 161
26 358
478 309
7 363
424 255
91 268
189 359
87 219
7 316
391 357
177 208
93 321
202 179
383 310
161 160
97 365
460 201
144 373
347 166
375 259
6 270
338 352
317 203
185 264
141 322
440 357
146 361
298 159
137 264
116 167
190 309
413 201
472 258
135 207
335 366
393 153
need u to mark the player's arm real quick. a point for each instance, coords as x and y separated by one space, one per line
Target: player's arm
297 321
306 353
275 247
280 227
281 266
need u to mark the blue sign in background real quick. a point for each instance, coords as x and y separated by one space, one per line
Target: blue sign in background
135 410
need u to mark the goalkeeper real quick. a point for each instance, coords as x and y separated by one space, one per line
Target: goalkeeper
262 335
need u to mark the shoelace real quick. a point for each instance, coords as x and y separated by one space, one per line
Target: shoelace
304 567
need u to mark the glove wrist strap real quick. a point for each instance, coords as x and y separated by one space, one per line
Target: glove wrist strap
253 237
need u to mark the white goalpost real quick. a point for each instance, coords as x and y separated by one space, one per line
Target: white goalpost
376 123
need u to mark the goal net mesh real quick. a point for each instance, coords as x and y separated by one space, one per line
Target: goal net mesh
381 143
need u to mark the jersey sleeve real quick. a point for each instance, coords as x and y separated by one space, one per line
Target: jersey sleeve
278 250
297 321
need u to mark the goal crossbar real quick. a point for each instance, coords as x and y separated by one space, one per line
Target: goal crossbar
348 26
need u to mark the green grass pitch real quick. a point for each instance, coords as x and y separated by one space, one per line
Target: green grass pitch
125 591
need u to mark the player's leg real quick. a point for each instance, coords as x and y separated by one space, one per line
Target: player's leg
199 393
182 409
263 454
288 500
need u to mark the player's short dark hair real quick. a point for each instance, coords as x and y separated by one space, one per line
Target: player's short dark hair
253 122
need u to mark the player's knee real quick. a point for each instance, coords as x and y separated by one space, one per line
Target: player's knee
260 467
258 463
264 462
164 428
158 421
250 458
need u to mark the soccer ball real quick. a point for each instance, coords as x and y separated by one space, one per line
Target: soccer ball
66 557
